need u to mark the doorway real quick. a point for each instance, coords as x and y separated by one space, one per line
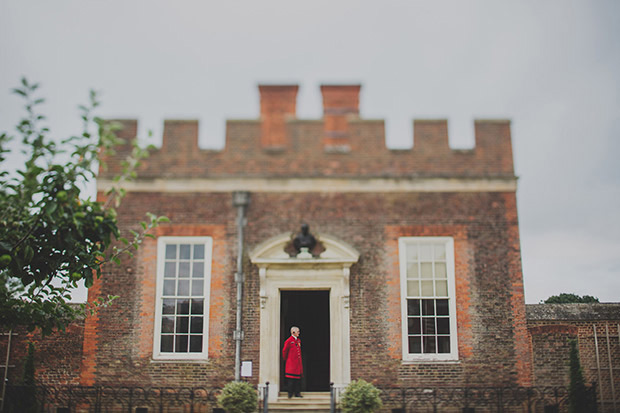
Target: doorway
308 310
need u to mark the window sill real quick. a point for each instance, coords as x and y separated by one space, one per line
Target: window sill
179 361
429 361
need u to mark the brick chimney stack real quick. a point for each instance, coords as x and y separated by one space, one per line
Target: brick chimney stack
340 103
277 103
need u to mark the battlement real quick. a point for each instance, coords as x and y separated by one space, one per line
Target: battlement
340 144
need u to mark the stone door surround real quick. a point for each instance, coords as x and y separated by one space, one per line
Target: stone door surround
278 271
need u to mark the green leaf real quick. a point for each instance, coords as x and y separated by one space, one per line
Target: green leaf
51 207
28 254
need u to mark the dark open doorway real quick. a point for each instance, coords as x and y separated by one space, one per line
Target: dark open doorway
308 310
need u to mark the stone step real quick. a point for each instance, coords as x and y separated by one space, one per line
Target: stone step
308 409
314 395
310 402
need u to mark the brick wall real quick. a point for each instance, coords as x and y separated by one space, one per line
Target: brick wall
57 357
595 326
488 325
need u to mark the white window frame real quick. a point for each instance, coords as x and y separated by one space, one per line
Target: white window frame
161 252
448 242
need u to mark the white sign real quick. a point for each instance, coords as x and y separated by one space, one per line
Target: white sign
246 369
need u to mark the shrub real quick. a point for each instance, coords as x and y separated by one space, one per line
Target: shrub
238 397
578 397
29 402
360 397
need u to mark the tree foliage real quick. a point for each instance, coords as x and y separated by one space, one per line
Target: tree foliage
569 298
50 237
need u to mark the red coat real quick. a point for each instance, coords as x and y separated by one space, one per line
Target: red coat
291 353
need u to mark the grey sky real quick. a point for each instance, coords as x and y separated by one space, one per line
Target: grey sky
553 67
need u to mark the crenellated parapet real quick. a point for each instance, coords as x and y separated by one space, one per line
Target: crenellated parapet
340 145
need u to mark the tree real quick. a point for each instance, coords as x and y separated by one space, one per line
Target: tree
50 237
569 298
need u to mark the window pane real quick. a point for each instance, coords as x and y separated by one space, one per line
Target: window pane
413 288
443 344
167 325
184 251
166 344
197 288
427 289
412 270
412 252
443 325
440 252
170 269
168 306
182 325
183 307
183 287
442 307
426 253
198 269
440 270
413 325
195 344
184 269
199 252
180 344
429 344
415 345
197 324
413 307
169 287
441 288
428 307
426 270
428 326
171 251
197 307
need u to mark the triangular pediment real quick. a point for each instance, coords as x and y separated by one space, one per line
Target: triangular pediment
272 251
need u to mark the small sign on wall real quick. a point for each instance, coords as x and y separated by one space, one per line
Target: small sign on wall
246 369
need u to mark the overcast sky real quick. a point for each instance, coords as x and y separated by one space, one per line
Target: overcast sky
552 67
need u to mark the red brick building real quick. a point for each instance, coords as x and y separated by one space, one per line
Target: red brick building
418 282
415 279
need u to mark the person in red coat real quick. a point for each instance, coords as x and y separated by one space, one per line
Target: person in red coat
293 369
